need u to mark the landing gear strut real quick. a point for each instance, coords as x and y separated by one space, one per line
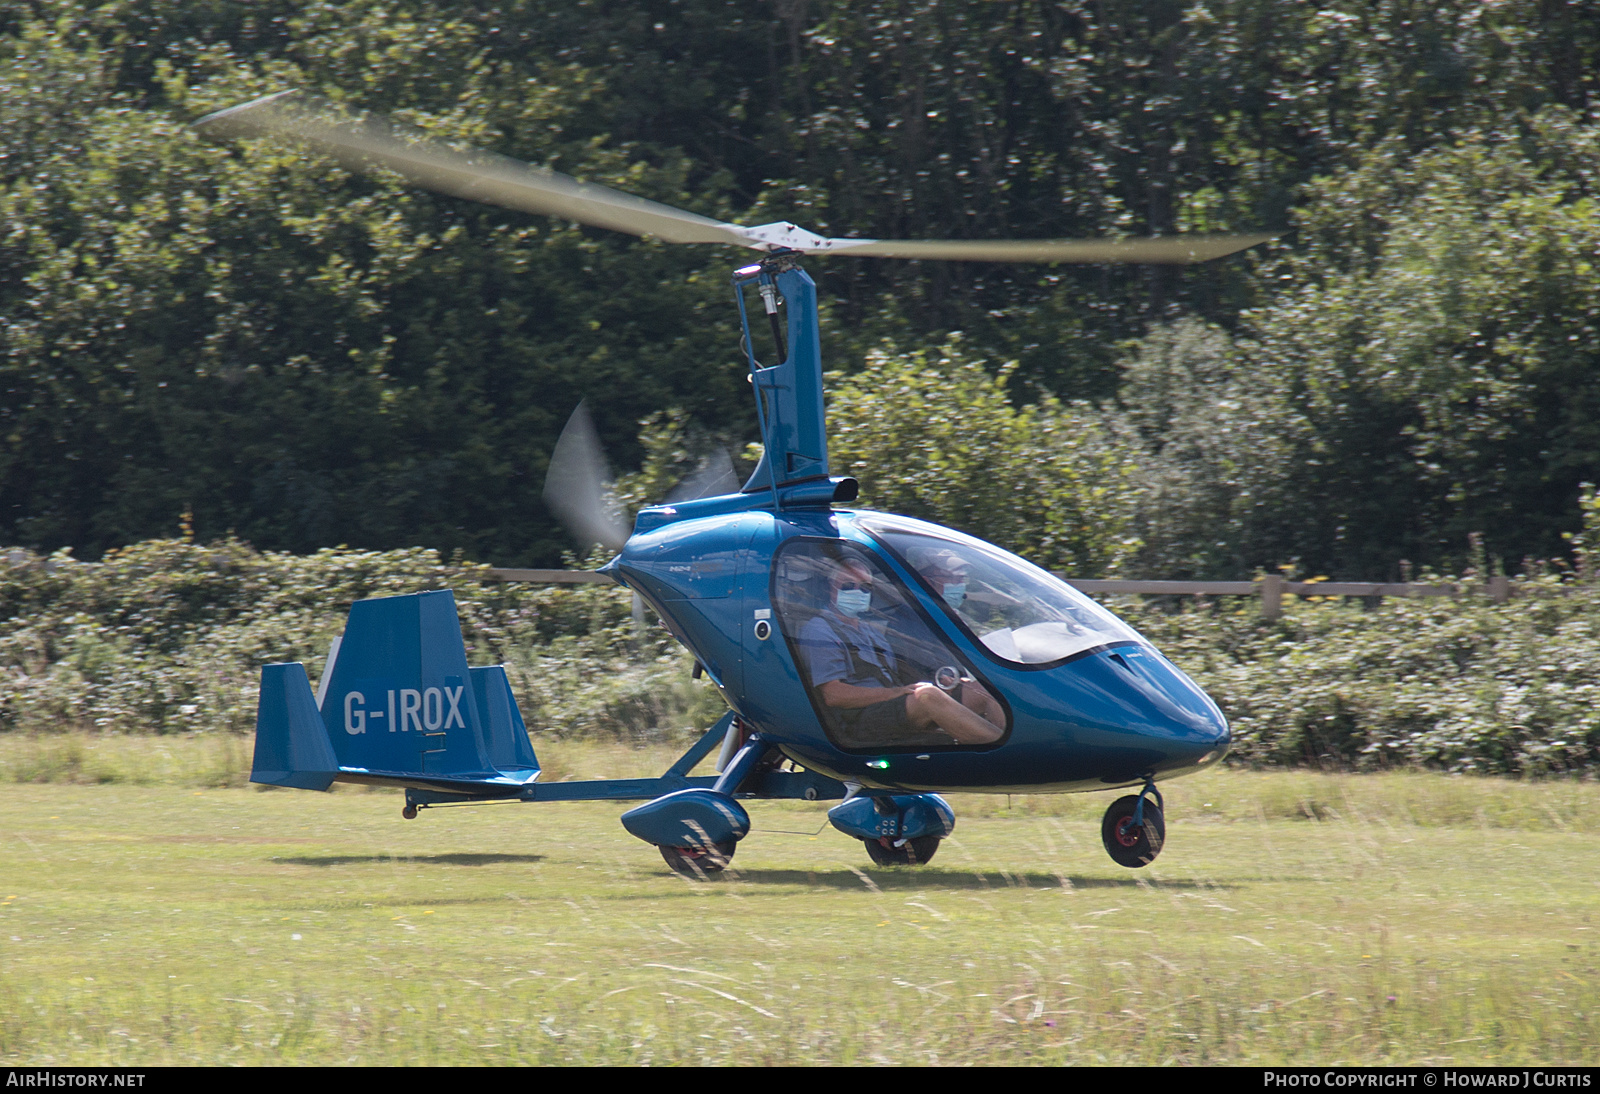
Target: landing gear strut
1133 829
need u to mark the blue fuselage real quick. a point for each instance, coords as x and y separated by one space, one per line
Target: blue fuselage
1114 713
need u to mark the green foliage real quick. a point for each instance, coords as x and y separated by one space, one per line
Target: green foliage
937 437
676 454
1586 544
1456 686
1214 445
301 357
1428 368
978 118
1446 379
1452 684
168 636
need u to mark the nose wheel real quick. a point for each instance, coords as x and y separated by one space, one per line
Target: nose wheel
1133 830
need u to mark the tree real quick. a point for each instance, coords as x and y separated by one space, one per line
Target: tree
936 437
1215 444
302 356
1427 370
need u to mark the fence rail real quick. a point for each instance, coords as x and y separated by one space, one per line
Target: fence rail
1271 589
551 577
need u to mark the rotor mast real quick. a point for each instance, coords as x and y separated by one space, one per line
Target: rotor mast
788 394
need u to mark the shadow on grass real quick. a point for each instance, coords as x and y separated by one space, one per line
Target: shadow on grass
924 878
455 859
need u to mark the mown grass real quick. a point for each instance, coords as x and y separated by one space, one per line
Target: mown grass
155 918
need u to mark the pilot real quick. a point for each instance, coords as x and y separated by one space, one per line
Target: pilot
857 674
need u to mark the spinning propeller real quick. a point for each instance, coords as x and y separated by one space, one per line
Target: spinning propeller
579 490
578 485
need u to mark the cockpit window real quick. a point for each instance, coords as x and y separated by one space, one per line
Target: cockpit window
1021 614
880 675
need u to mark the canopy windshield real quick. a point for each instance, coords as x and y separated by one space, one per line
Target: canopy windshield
1020 613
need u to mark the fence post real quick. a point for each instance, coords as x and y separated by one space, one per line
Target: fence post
1272 596
1500 589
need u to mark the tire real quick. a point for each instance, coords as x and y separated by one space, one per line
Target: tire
913 852
699 862
1129 846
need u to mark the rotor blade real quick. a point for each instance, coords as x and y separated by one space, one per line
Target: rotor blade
365 142
714 476
577 487
361 143
1160 250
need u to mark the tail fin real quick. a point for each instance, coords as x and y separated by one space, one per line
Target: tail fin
399 707
292 747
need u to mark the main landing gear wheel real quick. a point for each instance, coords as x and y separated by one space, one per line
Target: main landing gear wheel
1129 844
699 862
913 852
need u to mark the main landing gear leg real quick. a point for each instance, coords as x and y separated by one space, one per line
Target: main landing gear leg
1133 829
697 831
887 851
897 829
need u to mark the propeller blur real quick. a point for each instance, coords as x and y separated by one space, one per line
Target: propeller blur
578 488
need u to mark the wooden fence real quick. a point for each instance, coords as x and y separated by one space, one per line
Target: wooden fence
1271 589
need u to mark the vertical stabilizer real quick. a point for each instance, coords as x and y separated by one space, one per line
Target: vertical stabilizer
292 747
510 750
399 706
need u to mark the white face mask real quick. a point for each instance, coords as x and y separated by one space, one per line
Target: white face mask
853 602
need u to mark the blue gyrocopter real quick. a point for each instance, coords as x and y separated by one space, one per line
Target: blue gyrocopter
865 657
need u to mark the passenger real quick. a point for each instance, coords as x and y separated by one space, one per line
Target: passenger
946 574
980 606
859 677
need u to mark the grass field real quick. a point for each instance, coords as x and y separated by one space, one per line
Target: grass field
152 914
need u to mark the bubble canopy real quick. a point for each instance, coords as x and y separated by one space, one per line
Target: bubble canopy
1018 613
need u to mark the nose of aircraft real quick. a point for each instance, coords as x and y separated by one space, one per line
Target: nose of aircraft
1166 710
